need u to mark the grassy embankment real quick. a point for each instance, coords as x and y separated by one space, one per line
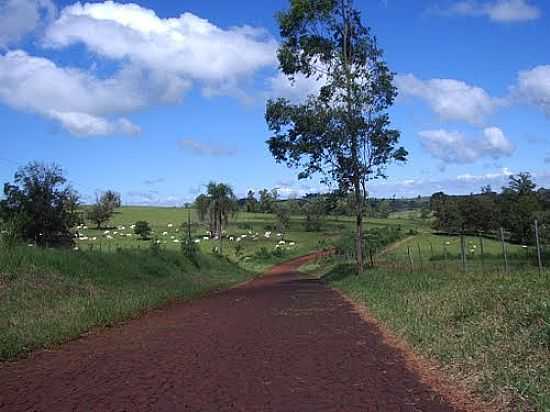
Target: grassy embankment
488 329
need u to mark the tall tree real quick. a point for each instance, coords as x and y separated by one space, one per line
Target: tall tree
343 132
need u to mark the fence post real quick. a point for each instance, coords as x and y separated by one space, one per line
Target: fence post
482 250
410 258
463 252
504 250
538 246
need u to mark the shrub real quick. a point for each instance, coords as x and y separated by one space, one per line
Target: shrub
142 229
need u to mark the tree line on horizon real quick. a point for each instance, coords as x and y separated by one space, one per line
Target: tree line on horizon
514 209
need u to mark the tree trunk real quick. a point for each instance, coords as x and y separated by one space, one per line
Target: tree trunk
359 242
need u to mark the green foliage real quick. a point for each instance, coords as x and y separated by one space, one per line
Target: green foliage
40 206
374 240
267 200
282 215
314 211
143 229
188 247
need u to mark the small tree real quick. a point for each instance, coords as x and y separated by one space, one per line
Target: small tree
40 206
267 200
143 229
111 198
282 214
104 207
314 211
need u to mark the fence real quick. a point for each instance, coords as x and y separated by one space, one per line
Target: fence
463 253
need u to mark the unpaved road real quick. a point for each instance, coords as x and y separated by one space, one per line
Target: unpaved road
280 343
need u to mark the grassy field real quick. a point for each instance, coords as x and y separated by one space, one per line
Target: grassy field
487 328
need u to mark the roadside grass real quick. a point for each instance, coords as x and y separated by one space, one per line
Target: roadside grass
487 328
48 296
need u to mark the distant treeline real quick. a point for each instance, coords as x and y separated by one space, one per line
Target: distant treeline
327 204
515 209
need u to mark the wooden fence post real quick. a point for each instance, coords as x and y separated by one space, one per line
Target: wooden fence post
504 250
463 252
538 246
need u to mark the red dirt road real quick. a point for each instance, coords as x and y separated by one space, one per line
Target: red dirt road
280 343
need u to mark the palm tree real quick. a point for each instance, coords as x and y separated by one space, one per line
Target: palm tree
216 206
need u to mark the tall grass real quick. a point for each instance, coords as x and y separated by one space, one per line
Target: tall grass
50 296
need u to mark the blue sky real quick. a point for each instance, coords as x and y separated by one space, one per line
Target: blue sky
155 99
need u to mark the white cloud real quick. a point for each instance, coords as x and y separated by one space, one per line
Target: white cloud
83 124
502 173
20 17
80 102
187 47
158 60
500 11
454 147
534 87
203 149
450 99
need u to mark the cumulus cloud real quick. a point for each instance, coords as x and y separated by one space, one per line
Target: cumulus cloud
187 46
450 99
534 87
500 11
455 147
203 149
157 60
80 102
20 17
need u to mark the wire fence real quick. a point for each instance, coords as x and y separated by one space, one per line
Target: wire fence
467 253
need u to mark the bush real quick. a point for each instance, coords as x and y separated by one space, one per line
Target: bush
262 253
374 239
142 229
40 205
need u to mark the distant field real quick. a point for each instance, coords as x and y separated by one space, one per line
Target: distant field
166 224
